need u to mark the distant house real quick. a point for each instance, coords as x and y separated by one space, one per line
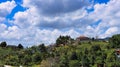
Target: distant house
83 38
103 39
12 46
7 66
100 39
107 39
117 52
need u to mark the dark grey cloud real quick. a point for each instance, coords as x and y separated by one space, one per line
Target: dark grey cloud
56 7
3 13
55 24
63 9
61 24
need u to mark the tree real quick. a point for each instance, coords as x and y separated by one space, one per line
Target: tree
93 39
64 61
37 58
74 56
64 40
115 41
85 61
3 44
20 46
27 60
86 51
96 48
74 63
45 63
42 48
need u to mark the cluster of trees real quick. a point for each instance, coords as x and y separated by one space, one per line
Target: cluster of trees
115 41
85 54
64 40
4 45
25 57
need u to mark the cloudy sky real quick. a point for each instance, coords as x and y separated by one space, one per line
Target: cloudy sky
31 22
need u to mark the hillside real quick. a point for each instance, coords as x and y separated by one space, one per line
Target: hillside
92 53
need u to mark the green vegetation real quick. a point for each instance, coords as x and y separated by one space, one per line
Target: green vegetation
91 53
115 41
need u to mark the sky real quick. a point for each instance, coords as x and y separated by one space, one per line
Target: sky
42 21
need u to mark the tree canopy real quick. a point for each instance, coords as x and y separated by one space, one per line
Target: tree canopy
20 46
3 44
65 40
115 41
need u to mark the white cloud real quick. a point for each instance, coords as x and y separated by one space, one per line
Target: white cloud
27 18
5 9
2 19
12 33
109 16
2 27
112 30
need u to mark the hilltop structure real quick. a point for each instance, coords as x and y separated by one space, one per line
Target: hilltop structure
83 38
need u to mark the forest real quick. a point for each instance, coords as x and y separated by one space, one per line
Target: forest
66 52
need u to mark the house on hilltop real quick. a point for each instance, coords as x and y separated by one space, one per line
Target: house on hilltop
117 52
83 38
11 46
103 39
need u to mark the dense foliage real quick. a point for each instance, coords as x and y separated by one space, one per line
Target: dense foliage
115 41
64 40
86 54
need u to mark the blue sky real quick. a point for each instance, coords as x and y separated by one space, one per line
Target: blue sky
33 22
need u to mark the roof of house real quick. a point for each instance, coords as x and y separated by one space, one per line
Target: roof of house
83 38
117 51
11 46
